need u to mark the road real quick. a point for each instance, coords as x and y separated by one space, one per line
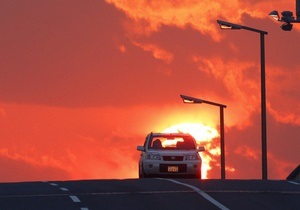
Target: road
152 193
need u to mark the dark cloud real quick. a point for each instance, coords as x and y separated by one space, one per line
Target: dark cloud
19 170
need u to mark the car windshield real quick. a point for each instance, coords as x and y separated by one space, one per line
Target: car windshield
172 143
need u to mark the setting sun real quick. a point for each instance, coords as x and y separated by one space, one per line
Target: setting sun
204 136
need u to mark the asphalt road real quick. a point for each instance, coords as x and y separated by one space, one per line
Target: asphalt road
152 193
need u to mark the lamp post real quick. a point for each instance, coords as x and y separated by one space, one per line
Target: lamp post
192 100
227 25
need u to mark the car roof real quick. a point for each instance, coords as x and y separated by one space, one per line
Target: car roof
171 134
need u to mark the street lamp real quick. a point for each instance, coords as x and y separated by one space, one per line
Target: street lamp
287 17
227 25
192 100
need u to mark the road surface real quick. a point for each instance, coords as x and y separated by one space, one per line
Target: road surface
152 193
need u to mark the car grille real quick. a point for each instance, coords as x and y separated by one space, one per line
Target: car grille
173 158
163 168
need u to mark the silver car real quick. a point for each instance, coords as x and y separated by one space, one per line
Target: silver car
170 154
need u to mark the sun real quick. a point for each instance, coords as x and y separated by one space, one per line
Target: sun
204 136
199 131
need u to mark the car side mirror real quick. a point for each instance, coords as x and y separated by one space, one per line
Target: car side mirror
201 149
140 148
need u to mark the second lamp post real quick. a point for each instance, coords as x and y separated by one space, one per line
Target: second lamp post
192 100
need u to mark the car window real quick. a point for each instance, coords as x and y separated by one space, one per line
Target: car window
172 143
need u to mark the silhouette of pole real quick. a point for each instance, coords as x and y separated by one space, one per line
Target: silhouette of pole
192 100
228 25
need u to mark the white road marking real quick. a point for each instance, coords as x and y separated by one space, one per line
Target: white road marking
75 199
200 192
294 182
84 208
53 184
64 189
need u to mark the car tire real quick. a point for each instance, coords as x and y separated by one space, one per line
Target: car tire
198 176
142 174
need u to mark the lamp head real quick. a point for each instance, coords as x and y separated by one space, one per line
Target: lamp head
227 25
287 16
190 100
287 27
187 101
274 14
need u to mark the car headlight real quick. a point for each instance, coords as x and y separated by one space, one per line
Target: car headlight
192 157
153 156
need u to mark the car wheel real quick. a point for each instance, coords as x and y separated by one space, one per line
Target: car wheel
198 176
142 174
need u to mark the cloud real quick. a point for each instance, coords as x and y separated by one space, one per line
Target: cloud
177 13
280 166
149 16
247 152
240 82
156 51
283 95
44 160
23 167
77 143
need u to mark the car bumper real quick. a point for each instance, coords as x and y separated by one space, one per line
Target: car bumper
151 167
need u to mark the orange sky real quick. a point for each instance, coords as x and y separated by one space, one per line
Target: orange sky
83 82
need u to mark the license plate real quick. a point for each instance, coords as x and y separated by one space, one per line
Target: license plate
172 168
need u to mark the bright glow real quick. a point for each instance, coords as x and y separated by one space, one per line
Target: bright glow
276 17
234 27
204 136
188 101
170 143
225 27
191 100
274 14
199 131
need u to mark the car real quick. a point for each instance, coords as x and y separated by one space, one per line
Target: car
170 155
